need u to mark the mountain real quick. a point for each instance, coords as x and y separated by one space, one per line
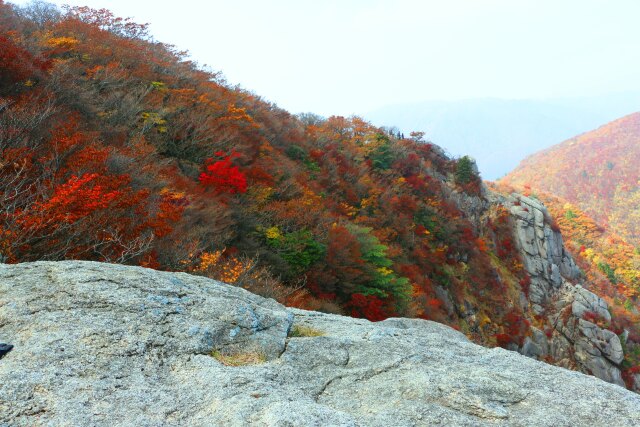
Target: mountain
115 148
111 345
499 133
590 184
597 171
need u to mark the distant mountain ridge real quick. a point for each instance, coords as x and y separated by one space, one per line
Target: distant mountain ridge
597 171
498 133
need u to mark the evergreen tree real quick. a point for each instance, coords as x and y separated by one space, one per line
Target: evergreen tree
464 170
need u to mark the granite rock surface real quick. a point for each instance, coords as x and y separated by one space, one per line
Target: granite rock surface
109 345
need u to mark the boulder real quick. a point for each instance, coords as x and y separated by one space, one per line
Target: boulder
586 301
607 343
596 350
108 345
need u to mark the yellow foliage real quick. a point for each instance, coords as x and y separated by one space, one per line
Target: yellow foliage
589 254
261 194
239 114
484 320
272 233
348 209
154 119
464 267
372 199
208 259
309 198
159 86
62 42
105 114
385 271
173 195
224 269
265 148
366 202
231 270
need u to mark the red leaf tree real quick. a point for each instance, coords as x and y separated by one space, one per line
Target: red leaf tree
223 176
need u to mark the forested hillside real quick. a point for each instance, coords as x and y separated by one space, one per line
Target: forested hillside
114 147
597 171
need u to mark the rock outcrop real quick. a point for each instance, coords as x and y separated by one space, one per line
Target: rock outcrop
578 338
542 249
97 344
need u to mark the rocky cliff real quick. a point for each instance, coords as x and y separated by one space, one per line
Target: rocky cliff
568 323
576 336
98 344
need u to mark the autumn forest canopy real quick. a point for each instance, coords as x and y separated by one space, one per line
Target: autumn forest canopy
115 148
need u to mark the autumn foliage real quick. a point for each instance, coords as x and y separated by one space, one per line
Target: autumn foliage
596 171
115 147
223 176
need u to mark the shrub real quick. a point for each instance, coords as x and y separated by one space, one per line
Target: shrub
525 284
367 306
608 271
503 340
628 376
590 316
516 328
222 175
244 272
299 248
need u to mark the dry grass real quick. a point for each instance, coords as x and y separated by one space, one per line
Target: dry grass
300 331
239 358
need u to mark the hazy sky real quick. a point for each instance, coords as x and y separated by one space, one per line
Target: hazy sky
352 56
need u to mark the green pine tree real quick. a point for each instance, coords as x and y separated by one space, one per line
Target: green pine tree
464 170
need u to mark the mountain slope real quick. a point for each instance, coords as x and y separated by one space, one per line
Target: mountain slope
114 148
597 171
498 133
109 345
128 153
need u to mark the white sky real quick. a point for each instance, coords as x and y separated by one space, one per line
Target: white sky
352 56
